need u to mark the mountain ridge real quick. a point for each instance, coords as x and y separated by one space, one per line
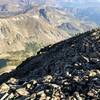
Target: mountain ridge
57 28
61 68
24 31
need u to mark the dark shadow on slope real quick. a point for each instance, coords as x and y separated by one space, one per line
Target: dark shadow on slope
82 52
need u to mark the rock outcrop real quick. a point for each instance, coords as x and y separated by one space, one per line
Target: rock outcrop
68 70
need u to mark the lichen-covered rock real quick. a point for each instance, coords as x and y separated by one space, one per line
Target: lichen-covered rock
4 88
43 96
12 81
92 73
22 92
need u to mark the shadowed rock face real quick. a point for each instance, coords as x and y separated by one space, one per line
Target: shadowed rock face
68 69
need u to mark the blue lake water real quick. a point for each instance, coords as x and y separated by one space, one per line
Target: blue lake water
3 63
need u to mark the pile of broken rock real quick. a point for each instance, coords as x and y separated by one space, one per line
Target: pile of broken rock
68 70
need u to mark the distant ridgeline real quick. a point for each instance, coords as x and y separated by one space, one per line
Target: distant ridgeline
4 14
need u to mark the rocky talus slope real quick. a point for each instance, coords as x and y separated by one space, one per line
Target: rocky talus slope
68 70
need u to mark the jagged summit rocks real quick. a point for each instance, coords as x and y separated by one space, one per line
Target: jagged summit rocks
64 71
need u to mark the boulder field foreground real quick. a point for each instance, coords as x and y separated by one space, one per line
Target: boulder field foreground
68 70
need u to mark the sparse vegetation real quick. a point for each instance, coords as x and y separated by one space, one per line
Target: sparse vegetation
33 47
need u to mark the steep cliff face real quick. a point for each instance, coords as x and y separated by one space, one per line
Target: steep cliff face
67 70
